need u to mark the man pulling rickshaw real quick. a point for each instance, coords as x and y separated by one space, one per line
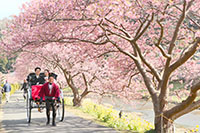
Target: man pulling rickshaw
51 94
48 92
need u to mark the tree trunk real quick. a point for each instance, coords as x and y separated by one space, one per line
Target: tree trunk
157 124
76 101
76 97
163 124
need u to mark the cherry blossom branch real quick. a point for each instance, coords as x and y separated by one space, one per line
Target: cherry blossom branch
69 19
145 28
191 50
116 27
142 70
190 108
159 41
175 34
198 25
129 81
18 50
114 44
85 92
141 25
185 103
153 70
119 35
147 80
189 5
107 52
119 28
75 74
122 51
92 80
84 40
167 72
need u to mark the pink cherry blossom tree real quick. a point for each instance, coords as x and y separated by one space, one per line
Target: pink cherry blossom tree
151 36
151 41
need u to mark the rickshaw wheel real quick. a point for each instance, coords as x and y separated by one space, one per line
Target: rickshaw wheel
61 110
28 107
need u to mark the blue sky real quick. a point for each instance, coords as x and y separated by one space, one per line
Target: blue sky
10 7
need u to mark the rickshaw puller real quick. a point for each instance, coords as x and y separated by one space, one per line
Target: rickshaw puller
49 91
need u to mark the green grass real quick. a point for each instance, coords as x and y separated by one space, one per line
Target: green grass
67 90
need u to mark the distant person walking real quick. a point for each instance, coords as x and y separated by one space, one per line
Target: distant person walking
7 89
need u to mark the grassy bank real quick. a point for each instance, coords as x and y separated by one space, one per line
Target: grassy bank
111 118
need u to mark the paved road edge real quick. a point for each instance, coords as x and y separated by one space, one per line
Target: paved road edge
1 117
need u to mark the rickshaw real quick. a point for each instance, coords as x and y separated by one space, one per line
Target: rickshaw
33 100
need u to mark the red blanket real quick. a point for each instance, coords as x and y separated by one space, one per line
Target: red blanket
35 91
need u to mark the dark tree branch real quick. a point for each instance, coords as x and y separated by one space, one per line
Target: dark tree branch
69 19
167 72
190 108
144 29
185 103
141 25
159 41
153 70
119 28
186 55
85 92
175 34
107 52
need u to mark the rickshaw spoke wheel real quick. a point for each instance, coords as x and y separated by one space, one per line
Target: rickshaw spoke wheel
28 108
61 110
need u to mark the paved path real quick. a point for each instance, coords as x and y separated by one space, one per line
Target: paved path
13 116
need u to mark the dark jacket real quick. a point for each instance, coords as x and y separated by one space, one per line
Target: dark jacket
25 87
33 80
7 87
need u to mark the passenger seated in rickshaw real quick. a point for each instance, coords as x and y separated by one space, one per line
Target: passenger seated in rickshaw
46 75
51 94
36 78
